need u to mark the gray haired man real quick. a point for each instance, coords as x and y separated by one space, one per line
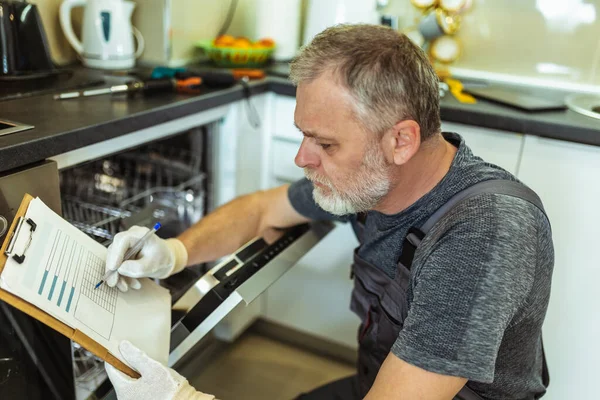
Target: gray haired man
458 317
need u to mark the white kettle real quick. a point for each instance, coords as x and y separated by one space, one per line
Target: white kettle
107 33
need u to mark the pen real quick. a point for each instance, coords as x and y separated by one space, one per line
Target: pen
131 252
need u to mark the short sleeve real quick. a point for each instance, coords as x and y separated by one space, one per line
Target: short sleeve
476 273
300 195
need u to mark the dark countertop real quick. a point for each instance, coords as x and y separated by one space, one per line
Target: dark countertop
62 126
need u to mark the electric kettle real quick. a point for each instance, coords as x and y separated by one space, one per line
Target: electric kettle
107 33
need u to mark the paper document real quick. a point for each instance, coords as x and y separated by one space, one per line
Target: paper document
61 267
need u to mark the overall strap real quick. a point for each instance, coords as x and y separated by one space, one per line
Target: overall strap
416 235
494 186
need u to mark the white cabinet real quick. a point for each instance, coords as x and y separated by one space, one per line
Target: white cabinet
567 178
497 147
283 118
283 166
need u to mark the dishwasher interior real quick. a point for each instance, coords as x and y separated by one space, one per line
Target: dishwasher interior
166 181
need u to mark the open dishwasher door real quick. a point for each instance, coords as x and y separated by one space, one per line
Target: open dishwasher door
240 278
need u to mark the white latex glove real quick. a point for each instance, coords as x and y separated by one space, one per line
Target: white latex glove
158 258
157 382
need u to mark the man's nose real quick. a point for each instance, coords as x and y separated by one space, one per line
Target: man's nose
307 155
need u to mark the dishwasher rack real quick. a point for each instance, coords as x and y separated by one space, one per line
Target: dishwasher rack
161 182
154 183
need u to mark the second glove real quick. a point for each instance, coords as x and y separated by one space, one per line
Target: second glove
158 258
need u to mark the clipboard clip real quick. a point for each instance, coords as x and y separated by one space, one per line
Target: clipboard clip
15 234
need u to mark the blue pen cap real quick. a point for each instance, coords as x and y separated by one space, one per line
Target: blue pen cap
157 226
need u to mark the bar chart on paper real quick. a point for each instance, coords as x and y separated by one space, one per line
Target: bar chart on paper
68 281
55 276
61 270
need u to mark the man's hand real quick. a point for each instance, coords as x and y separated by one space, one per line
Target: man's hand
158 258
398 379
157 381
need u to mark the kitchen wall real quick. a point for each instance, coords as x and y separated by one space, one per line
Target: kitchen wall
191 20
557 41
548 41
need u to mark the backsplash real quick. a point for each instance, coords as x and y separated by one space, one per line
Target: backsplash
61 51
557 41
554 41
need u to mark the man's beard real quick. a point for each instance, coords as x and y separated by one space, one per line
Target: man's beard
362 191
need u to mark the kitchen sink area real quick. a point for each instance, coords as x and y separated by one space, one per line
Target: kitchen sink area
585 104
8 127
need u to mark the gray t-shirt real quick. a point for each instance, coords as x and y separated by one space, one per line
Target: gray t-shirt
480 281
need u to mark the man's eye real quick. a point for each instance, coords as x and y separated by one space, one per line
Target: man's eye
324 146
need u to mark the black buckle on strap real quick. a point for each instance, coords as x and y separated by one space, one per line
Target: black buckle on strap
409 246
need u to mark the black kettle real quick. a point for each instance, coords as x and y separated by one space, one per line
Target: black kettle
24 47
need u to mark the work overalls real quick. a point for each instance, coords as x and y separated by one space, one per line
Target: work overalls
382 302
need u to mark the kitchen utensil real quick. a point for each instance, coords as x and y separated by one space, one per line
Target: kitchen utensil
456 88
438 23
23 44
210 78
146 87
107 33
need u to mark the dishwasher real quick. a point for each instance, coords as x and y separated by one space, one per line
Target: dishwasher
170 180
165 181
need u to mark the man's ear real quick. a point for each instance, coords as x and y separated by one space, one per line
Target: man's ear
402 142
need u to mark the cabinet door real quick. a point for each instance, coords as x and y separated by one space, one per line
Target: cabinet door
497 147
283 118
567 178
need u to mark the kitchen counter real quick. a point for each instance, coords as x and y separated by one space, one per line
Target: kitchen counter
62 126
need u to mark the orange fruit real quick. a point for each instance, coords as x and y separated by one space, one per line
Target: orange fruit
267 42
224 40
241 44
243 39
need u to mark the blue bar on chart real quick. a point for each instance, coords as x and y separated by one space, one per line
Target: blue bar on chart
65 256
50 262
66 274
52 287
43 282
71 276
62 291
70 298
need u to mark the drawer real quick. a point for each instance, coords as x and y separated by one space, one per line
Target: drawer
283 119
283 167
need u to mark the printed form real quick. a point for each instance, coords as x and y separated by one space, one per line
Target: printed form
61 267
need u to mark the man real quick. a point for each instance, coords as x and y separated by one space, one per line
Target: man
466 315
